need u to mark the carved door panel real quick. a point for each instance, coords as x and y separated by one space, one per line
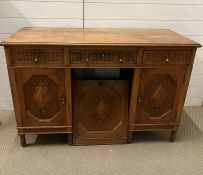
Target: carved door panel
100 109
41 92
159 94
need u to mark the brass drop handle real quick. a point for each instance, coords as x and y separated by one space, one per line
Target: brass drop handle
140 100
63 100
36 58
120 58
167 58
86 57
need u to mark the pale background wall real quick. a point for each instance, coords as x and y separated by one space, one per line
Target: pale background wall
183 16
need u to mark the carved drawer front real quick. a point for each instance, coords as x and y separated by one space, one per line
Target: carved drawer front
37 56
166 57
97 56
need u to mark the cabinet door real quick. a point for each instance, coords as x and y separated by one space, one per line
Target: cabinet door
159 94
41 93
100 111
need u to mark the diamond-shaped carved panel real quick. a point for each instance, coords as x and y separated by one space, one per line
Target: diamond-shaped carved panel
101 112
159 95
41 96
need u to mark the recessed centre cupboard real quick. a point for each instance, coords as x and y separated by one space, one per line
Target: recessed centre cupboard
98 85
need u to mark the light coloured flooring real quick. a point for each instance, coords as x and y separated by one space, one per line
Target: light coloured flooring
150 154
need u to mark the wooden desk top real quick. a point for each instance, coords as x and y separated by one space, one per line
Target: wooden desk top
124 37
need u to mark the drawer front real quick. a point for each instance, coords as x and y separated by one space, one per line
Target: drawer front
103 56
166 57
37 56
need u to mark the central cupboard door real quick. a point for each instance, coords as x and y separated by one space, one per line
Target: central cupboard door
159 95
42 96
100 111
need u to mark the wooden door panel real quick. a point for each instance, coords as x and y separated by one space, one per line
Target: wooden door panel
41 93
158 96
100 109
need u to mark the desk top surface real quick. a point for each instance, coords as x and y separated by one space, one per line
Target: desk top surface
104 37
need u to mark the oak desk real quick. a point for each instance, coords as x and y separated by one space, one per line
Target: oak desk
58 85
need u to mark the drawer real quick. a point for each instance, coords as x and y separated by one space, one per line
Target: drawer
101 56
37 56
166 57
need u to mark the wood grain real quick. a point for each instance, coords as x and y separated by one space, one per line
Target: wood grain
100 110
44 94
125 37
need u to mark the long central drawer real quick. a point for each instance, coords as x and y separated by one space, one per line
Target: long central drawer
98 56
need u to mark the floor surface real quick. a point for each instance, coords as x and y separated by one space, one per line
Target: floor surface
151 153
